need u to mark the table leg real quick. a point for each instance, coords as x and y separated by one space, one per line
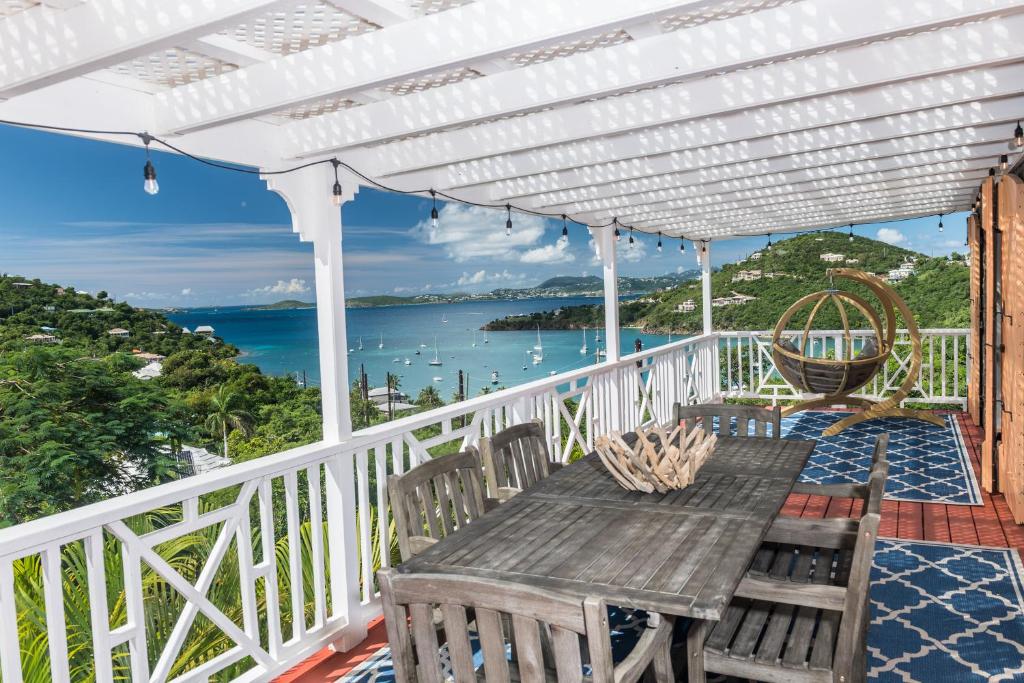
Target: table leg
695 638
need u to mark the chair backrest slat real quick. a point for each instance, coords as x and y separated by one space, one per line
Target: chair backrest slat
743 415
516 457
436 498
504 612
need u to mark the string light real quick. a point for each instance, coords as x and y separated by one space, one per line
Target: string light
508 220
1004 163
659 241
682 246
618 235
336 197
1018 137
631 241
851 232
940 223
565 230
149 184
433 210
769 248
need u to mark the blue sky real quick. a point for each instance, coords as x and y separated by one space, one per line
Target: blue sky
73 212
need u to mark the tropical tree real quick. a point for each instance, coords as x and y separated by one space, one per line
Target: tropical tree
429 398
227 413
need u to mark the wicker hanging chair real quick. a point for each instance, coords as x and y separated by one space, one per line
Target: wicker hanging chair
854 364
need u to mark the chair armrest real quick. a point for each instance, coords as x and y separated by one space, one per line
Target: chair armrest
819 596
417 544
636 662
833 533
506 493
832 490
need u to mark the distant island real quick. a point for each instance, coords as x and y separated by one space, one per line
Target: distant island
287 304
559 286
752 293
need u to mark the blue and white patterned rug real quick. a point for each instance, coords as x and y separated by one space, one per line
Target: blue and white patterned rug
939 613
927 463
945 613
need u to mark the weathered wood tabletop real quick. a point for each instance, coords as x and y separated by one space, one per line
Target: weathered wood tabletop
680 553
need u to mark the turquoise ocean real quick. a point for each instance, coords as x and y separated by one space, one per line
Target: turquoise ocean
284 342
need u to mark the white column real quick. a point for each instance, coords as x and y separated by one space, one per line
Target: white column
705 282
604 239
316 219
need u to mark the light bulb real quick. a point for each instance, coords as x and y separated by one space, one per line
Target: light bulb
618 235
336 198
1018 137
631 241
150 185
508 220
940 223
659 242
433 218
851 232
682 247
1004 163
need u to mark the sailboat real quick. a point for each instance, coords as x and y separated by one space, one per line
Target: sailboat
538 350
597 337
381 345
360 343
486 340
437 359
494 377
444 318
583 349
474 339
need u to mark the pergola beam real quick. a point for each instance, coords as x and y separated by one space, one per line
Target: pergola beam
784 170
866 116
42 46
672 57
796 83
429 44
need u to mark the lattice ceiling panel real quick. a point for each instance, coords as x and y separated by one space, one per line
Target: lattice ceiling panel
311 109
573 47
173 67
11 7
434 6
717 12
299 26
428 81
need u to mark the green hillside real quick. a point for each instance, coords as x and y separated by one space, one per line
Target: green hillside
937 292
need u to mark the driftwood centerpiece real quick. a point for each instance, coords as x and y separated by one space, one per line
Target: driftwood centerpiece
655 460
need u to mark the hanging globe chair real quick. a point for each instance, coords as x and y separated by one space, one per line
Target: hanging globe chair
854 362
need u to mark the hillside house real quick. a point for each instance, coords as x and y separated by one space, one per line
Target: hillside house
119 332
747 276
832 258
204 330
686 307
42 339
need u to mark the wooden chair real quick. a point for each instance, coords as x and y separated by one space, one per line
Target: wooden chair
434 499
745 416
515 459
860 491
529 611
812 629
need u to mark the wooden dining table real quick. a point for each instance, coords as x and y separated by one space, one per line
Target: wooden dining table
681 553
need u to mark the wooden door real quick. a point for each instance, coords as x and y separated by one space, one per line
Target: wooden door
975 368
1010 350
990 276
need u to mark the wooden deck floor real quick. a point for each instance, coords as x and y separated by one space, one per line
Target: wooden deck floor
990 524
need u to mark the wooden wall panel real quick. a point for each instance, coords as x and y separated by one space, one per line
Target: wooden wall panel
974 385
988 310
1011 344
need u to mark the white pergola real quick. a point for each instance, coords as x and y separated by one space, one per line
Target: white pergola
702 119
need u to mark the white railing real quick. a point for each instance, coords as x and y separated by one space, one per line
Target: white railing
115 590
748 370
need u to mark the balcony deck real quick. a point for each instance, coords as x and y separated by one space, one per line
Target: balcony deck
990 524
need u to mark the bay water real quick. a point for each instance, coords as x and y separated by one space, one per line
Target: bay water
284 342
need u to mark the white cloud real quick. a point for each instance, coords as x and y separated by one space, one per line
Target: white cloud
549 253
470 232
632 253
187 291
891 235
474 279
293 286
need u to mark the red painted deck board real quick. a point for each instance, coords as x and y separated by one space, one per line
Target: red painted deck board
988 524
